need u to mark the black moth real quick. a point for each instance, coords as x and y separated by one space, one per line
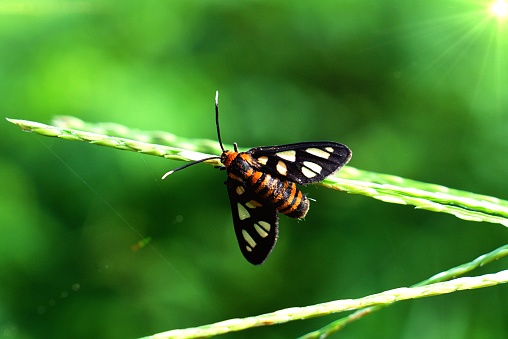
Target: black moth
261 184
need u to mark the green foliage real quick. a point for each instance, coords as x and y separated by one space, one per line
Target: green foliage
415 89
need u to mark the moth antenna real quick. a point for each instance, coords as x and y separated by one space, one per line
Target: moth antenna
217 119
187 165
218 136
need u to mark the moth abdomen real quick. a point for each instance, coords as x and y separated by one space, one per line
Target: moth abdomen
282 194
293 204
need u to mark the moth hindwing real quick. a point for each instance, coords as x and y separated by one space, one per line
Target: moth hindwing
255 222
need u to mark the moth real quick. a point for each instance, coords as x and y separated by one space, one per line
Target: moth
261 183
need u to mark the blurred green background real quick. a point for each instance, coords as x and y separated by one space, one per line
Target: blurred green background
415 89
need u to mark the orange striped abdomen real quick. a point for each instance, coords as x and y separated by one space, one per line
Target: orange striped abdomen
284 195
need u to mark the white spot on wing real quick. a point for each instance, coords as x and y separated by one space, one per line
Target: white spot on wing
287 155
253 204
329 149
242 212
313 166
240 190
308 173
248 238
265 225
260 231
281 167
319 152
263 160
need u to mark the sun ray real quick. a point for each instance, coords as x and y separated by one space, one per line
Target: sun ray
499 9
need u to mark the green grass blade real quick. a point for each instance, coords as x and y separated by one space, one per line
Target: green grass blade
431 197
299 313
387 188
339 324
122 143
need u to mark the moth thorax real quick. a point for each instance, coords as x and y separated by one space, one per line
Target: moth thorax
227 157
240 164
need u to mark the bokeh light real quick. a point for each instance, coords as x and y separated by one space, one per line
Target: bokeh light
499 9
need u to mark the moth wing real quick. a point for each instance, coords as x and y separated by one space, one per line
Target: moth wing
255 222
304 162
